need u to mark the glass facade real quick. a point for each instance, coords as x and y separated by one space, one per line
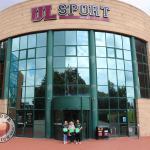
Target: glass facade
143 70
115 87
3 48
27 83
71 80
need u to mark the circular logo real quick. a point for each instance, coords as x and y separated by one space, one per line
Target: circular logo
7 128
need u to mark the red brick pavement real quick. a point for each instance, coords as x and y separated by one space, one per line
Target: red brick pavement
125 143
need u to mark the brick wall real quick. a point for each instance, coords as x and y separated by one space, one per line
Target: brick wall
143 116
3 106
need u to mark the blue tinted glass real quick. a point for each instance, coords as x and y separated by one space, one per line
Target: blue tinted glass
112 77
31 64
29 91
102 78
23 42
23 54
103 90
71 62
100 39
101 63
14 56
111 63
15 44
30 78
121 78
130 91
59 38
41 52
120 64
110 39
127 55
83 62
129 78
82 37
101 51
128 65
40 63
40 76
118 41
84 75
119 53
126 43
41 39
110 52
59 51
31 40
71 51
22 65
71 38
83 51
31 53
59 62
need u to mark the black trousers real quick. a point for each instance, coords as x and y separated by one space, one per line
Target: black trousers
78 137
71 137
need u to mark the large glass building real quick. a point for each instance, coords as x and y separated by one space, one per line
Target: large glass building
89 68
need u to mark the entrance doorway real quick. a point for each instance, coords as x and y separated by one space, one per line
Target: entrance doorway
70 115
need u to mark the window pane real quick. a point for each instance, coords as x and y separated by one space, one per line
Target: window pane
83 62
31 53
112 77
59 62
82 37
100 39
40 63
23 54
83 76
128 65
14 56
71 51
15 44
127 55
130 91
101 63
30 78
118 41
22 65
40 77
126 43
59 51
29 91
29 103
111 63
119 53
41 52
71 62
101 51
129 78
41 39
110 39
113 103
59 38
71 38
121 78
102 91
31 40
110 52
83 51
102 78
31 64
23 42
103 103
59 76
103 117
120 64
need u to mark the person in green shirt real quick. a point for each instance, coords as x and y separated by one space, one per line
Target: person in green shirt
78 128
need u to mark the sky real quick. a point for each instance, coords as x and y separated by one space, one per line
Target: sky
142 4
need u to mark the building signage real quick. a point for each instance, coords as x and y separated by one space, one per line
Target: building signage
71 11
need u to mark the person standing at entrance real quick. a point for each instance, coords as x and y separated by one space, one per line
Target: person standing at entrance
65 131
78 129
71 129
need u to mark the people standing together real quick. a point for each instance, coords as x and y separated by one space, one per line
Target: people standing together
72 132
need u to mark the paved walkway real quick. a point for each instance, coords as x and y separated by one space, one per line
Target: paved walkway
125 143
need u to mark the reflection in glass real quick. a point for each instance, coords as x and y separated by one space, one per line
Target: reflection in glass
83 76
100 39
123 103
23 42
113 103
114 116
40 77
15 44
101 63
103 103
59 62
71 62
59 90
40 91
127 55
59 51
83 62
129 78
71 51
118 41
120 64
40 63
101 51
59 76
82 50
103 117
14 56
31 40
29 91
31 64
39 103
131 116
30 78
31 53
71 76
110 39
29 102
82 37
23 77
111 63
110 52
128 65
41 52
59 38
102 78
126 43
113 90
71 38
112 77
121 78
23 54
119 53
83 90
130 103
130 91
41 39
22 65
102 91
